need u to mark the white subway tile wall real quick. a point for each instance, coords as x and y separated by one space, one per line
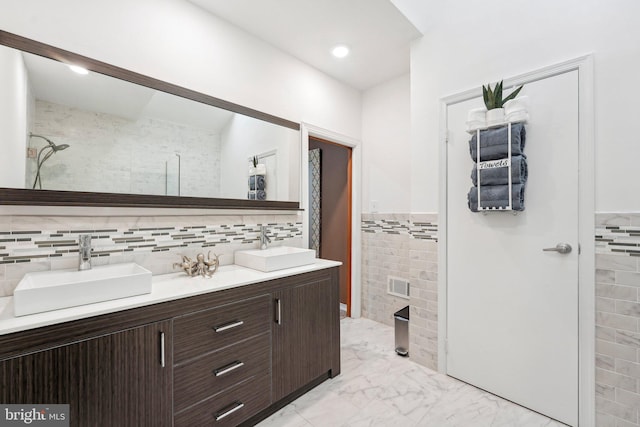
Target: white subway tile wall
36 243
403 246
618 319
138 151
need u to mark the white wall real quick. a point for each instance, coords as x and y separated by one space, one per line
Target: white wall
176 41
386 147
244 138
13 121
460 51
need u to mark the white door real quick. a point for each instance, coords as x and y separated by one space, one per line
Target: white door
271 179
512 309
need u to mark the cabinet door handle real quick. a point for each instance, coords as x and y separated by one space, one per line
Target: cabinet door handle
228 368
162 360
235 406
230 325
278 311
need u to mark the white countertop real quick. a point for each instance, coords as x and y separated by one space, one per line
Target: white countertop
165 287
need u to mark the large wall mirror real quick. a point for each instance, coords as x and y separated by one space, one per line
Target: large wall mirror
77 131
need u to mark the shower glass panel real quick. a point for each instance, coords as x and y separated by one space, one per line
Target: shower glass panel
173 176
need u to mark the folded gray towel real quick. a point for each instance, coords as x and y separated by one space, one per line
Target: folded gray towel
256 178
257 195
495 196
498 176
493 142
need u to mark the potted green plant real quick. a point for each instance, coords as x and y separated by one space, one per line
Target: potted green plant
257 168
494 102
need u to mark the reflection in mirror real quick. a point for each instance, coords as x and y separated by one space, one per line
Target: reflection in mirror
94 133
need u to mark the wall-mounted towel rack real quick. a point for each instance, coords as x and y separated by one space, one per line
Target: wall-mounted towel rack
495 152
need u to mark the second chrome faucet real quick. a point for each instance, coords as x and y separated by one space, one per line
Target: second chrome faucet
84 250
264 239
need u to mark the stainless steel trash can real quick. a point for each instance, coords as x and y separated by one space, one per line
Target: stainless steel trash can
402 331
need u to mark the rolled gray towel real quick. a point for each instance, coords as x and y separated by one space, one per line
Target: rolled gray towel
256 178
494 142
499 176
261 195
496 196
251 195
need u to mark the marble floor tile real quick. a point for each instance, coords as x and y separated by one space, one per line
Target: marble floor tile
378 388
286 417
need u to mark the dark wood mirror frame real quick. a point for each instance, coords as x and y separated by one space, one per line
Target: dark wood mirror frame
12 196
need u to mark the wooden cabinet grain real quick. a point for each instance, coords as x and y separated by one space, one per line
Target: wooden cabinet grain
222 369
305 334
236 355
209 330
117 379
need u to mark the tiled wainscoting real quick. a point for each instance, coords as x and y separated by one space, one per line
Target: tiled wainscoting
37 243
618 319
403 246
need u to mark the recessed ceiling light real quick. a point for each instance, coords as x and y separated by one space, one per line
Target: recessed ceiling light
78 69
340 51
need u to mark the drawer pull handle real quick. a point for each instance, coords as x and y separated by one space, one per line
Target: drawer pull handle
235 406
229 325
278 311
162 360
228 368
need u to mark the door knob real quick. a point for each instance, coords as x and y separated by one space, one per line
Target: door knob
563 248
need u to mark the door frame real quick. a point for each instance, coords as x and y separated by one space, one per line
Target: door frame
306 131
586 222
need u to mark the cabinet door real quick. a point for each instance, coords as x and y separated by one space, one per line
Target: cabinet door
303 334
115 380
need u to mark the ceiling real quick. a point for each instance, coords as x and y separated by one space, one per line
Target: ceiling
53 81
377 34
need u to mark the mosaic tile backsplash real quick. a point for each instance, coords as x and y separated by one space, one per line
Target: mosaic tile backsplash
618 239
27 244
396 224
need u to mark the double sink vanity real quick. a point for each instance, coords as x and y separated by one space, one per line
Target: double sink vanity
225 350
121 347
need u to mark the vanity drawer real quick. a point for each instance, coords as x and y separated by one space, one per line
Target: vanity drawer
229 408
210 330
211 374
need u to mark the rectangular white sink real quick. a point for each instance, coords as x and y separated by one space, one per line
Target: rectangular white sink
53 290
275 258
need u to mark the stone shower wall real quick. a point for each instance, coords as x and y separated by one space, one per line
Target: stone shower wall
119 155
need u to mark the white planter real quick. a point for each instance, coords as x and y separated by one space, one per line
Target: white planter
495 116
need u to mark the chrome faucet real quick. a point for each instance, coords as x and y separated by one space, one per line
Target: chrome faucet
84 249
264 239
